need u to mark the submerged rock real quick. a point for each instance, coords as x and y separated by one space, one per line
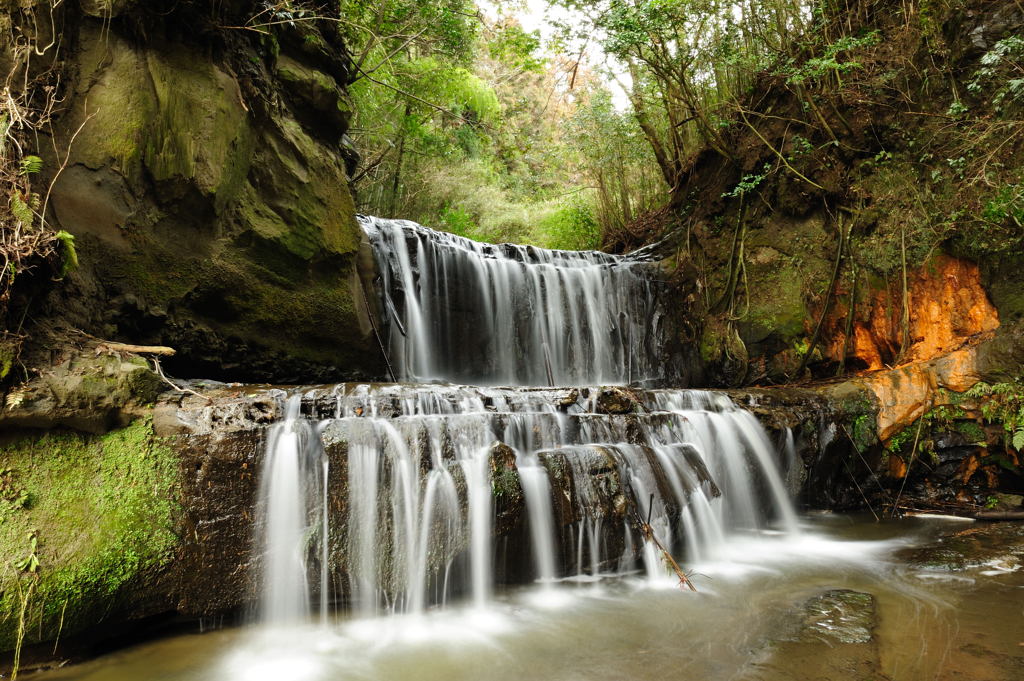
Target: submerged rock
839 616
997 546
833 639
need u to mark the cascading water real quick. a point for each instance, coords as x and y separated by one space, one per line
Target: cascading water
403 501
431 472
288 505
450 489
485 314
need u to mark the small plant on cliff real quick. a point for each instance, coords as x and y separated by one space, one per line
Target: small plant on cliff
30 97
1000 78
1003 403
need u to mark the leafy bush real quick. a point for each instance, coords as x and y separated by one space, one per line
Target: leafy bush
571 227
1000 79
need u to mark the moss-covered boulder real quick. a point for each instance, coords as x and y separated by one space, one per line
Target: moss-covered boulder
87 523
92 389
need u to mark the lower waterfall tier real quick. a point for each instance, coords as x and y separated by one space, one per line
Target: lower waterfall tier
395 498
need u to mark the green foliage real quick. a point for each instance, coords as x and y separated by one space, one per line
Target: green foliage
70 259
863 430
31 165
571 227
1007 206
516 48
1002 404
1000 78
800 146
457 221
30 563
23 210
828 63
748 184
957 109
897 443
486 141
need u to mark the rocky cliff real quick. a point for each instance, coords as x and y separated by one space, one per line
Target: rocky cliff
198 156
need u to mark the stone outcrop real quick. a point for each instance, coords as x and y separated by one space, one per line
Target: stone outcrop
949 309
203 171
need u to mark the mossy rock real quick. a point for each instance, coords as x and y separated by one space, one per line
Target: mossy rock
91 390
102 512
316 92
724 353
228 235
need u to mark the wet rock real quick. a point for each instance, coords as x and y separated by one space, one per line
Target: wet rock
834 639
616 401
569 399
509 503
724 354
839 616
999 546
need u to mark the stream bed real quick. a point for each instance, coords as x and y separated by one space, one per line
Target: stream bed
848 598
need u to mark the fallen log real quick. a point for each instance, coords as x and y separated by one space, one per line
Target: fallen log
110 346
984 516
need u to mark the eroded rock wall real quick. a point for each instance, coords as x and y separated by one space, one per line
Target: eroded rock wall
204 175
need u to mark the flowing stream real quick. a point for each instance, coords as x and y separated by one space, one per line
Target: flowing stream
495 532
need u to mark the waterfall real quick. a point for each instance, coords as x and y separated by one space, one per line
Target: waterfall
288 504
446 491
436 473
486 314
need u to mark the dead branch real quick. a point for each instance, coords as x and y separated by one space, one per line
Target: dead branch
112 347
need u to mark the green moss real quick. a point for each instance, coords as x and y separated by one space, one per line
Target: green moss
103 509
970 430
8 354
779 309
505 482
201 132
119 105
855 406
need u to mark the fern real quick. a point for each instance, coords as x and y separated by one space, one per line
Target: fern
21 210
979 389
31 165
70 254
1018 439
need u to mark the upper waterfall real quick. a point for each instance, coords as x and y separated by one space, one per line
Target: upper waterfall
501 314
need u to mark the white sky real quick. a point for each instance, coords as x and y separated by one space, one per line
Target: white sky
536 15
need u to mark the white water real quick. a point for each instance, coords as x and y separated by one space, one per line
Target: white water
425 487
287 509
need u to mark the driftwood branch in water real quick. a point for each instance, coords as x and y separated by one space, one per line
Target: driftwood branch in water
648 532
985 516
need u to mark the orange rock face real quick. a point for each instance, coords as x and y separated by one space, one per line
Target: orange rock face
949 314
949 309
907 392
